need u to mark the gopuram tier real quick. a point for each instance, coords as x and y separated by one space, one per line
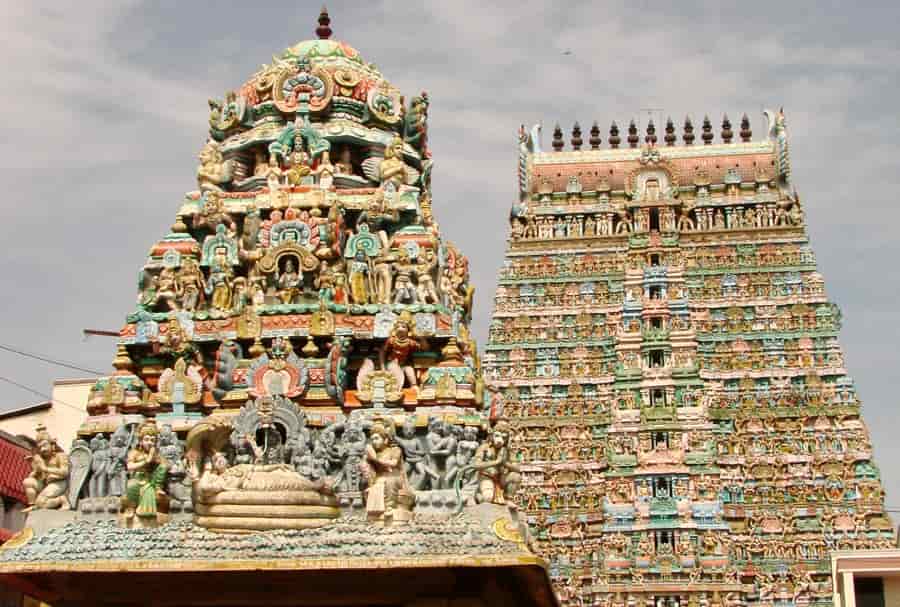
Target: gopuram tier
664 349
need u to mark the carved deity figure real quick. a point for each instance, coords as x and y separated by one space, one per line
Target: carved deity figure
392 168
413 454
189 285
116 473
219 286
100 462
171 450
398 350
360 278
498 475
144 495
214 171
46 486
425 288
290 283
388 495
344 164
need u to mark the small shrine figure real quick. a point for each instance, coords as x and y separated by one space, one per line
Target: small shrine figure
360 277
219 286
213 214
290 283
392 168
46 486
344 165
189 285
399 347
299 167
389 498
144 498
325 172
273 174
498 475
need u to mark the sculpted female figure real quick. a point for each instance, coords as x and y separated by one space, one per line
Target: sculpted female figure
147 471
388 497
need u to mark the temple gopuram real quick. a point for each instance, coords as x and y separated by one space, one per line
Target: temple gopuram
668 358
296 414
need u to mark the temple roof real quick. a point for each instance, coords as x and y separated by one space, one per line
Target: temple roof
84 543
13 467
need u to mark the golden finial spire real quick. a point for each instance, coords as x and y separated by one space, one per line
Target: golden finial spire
324 29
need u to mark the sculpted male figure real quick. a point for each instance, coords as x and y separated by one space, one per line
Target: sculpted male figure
48 482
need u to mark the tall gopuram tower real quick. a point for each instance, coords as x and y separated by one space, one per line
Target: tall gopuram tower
296 413
664 347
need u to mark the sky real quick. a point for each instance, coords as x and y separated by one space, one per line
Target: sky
104 109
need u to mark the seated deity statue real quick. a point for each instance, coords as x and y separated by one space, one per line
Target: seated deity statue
46 486
290 283
498 475
389 497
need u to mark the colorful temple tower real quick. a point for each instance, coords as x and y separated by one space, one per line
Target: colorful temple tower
296 413
664 348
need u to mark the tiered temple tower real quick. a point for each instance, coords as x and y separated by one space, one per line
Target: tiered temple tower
664 346
304 281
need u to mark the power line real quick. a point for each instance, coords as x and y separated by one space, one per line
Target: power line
41 394
48 360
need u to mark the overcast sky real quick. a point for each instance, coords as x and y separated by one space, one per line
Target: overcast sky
104 109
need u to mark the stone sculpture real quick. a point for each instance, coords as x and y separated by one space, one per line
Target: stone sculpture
46 486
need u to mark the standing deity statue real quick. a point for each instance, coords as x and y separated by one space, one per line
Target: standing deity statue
396 353
116 474
172 451
360 279
144 495
424 276
354 440
219 286
189 285
100 463
438 450
388 494
46 486
413 454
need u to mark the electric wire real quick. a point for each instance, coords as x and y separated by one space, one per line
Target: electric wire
39 393
48 360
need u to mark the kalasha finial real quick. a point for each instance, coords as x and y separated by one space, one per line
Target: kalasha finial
707 135
595 136
633 138
324 29
727 133
746 133
670 132
576 137
558 142
650 138
614 139
688 131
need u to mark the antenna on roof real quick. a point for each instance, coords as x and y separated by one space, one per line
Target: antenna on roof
99 332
